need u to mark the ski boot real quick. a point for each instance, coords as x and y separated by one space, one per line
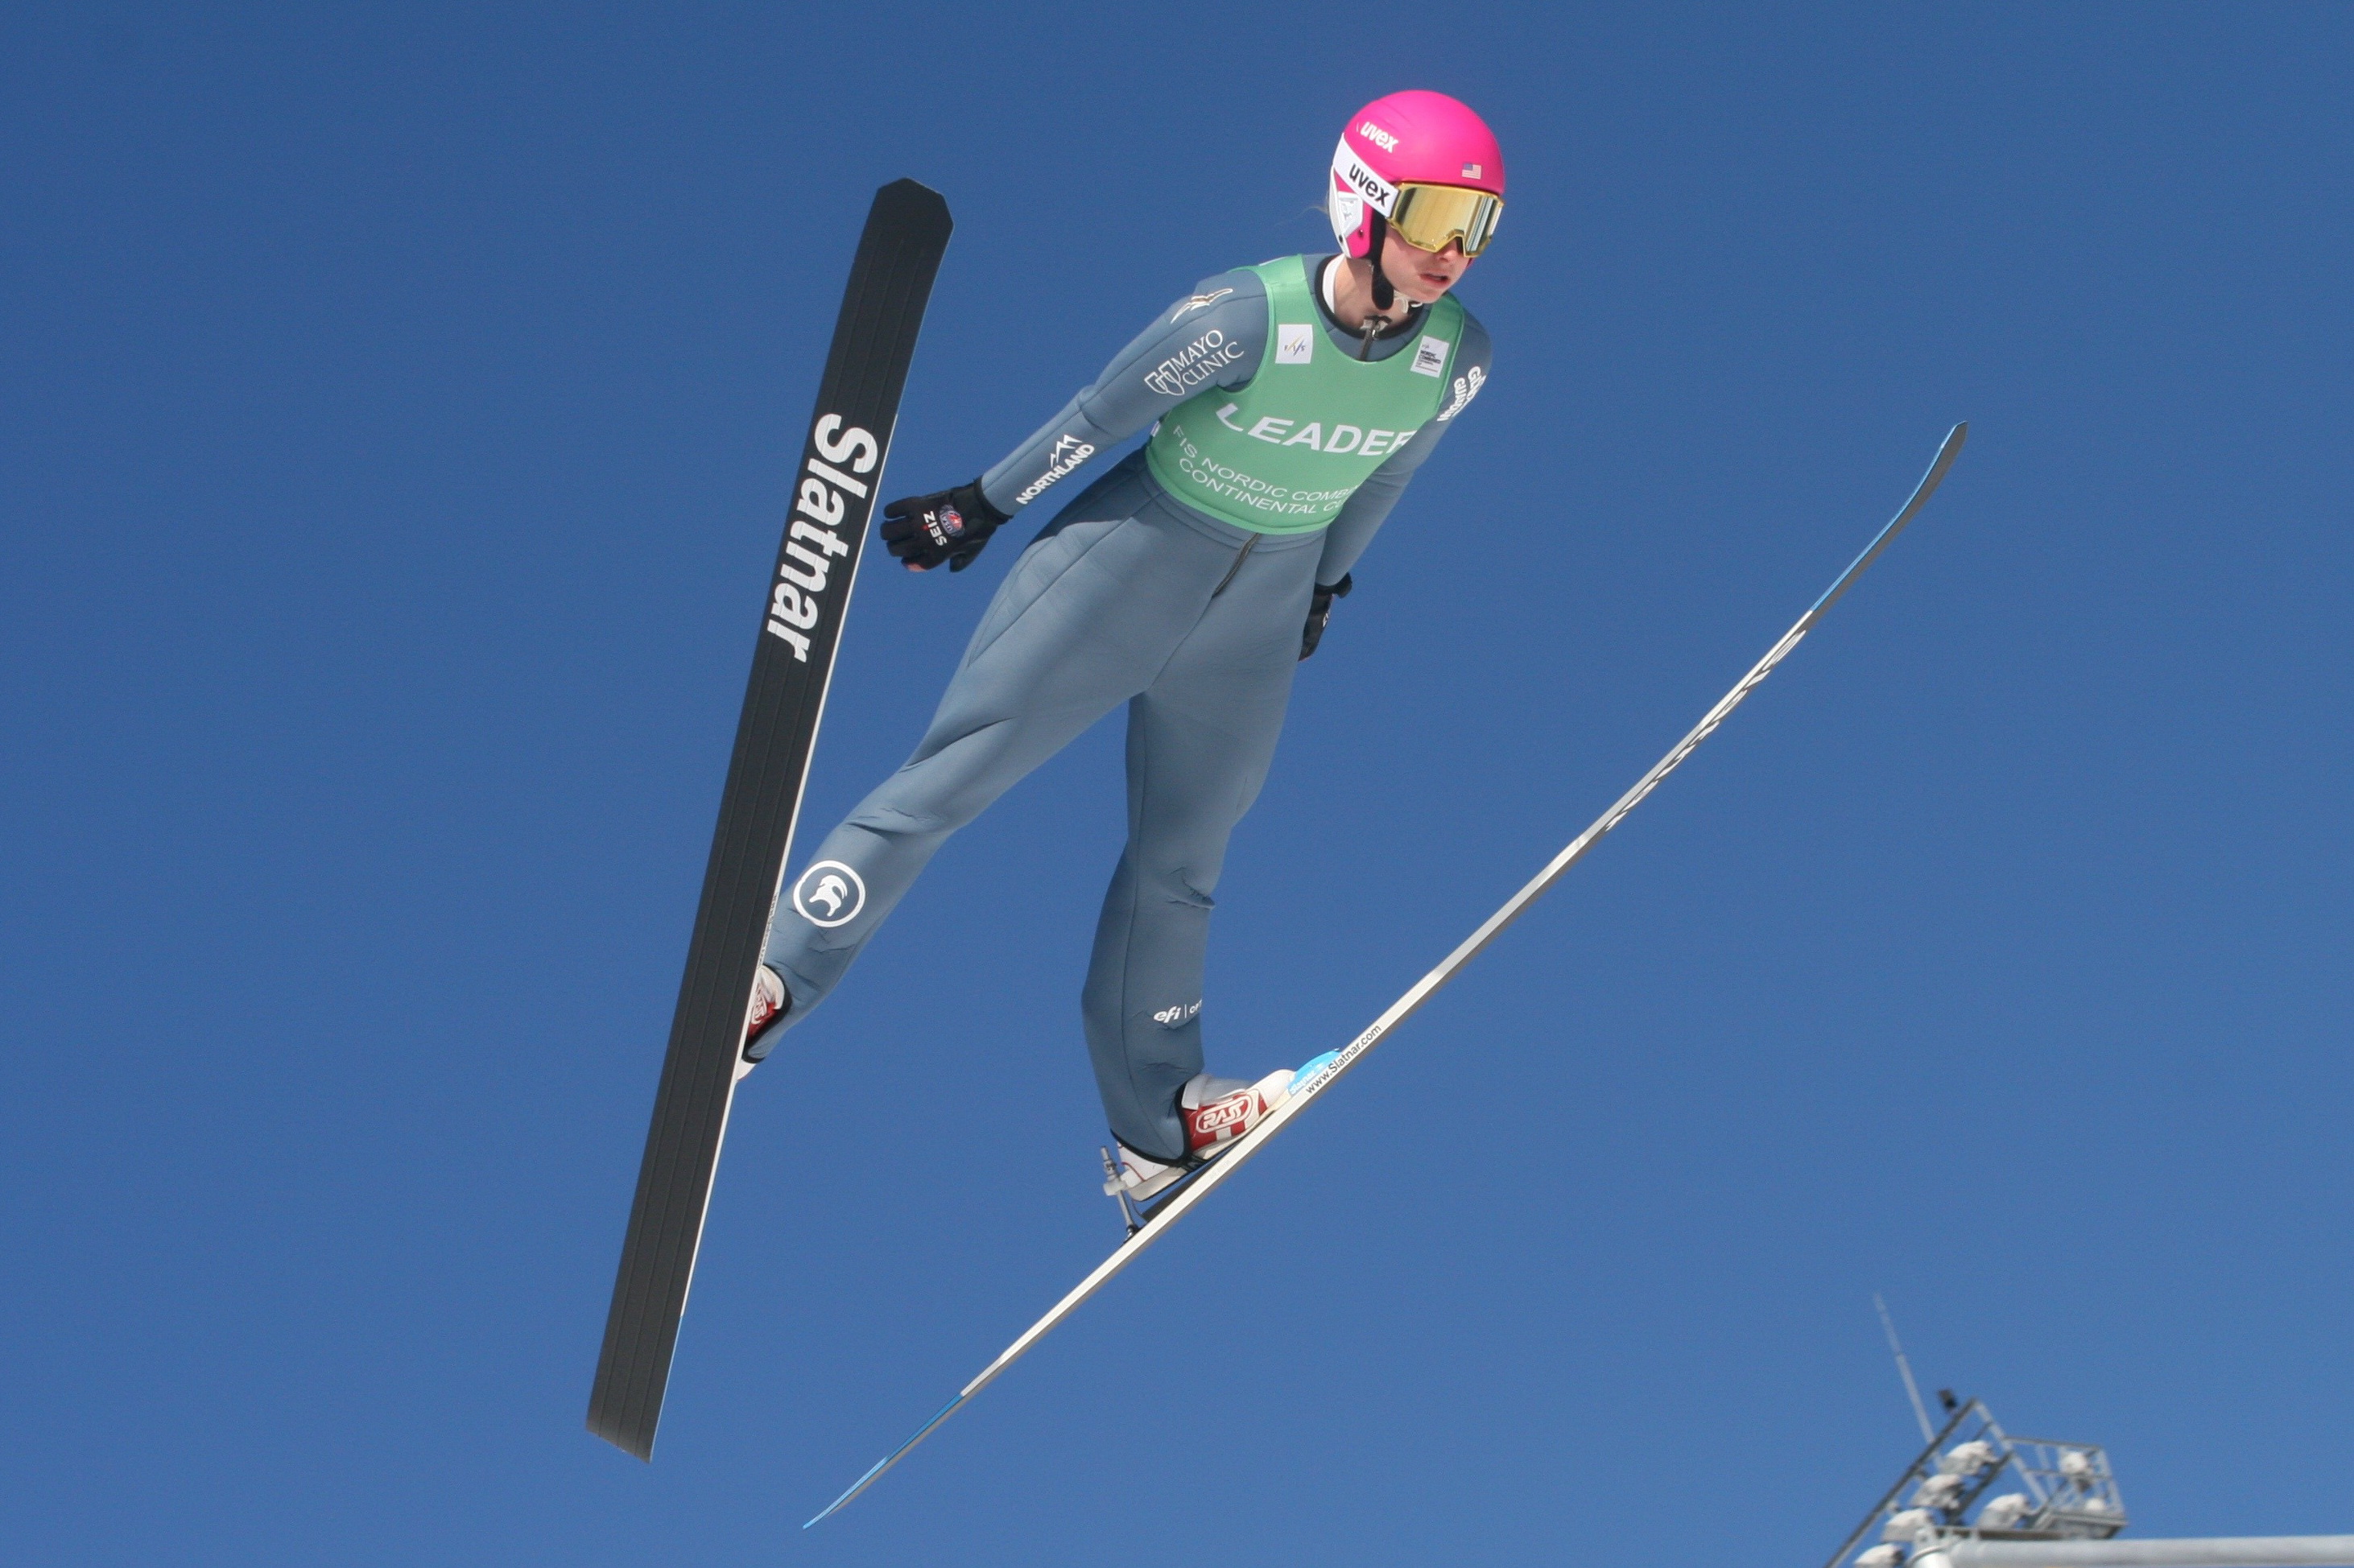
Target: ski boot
763 1026
1217 1111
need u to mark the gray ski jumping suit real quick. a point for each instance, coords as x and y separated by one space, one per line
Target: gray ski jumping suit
1132 595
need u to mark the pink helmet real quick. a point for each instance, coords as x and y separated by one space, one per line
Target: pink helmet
1416 139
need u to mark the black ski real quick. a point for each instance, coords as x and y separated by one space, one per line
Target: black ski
817 565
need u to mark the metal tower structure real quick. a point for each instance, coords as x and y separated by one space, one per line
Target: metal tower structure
1978 1497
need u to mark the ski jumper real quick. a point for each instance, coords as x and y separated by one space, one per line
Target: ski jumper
1177 583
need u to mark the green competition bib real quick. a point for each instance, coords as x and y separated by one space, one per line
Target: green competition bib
1282 454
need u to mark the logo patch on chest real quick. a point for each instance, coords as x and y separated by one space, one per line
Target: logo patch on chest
1295 343
1430 355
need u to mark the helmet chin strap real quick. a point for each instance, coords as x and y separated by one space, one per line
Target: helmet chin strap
1383 295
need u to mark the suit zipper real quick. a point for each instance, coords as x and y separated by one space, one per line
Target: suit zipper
1249 546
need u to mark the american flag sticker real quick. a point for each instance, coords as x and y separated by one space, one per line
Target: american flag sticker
1470 171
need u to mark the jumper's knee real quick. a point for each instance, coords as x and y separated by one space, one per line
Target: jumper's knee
1177 886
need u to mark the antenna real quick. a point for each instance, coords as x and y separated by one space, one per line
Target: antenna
1904 1369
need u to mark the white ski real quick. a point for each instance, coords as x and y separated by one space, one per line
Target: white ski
1325 1071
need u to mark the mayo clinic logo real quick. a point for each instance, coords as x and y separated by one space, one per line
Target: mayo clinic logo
828 894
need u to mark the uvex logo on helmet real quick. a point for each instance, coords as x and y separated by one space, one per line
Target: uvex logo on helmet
1406 138
1370 185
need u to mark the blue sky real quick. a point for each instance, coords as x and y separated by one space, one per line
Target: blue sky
394 434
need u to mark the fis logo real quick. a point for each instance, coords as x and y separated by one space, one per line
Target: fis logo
1067 453
828 894
813 545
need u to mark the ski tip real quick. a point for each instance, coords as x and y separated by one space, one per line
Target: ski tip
893 1457
915 191
1947 450
862 1482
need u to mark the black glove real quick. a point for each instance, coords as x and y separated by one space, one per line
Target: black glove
948 525
1320 611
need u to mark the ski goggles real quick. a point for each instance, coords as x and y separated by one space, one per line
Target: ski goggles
1428 217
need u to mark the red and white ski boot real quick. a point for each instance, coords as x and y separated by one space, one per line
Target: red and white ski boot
770 1001
1216 1112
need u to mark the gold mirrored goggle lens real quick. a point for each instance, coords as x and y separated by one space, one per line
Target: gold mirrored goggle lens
1427 216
